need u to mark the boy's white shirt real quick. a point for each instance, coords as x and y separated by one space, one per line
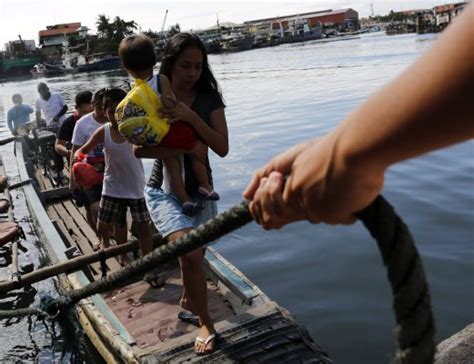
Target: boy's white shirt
83 130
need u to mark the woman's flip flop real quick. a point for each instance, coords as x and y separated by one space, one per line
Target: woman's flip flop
189 318
206 342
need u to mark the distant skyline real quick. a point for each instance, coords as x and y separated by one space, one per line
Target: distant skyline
28 17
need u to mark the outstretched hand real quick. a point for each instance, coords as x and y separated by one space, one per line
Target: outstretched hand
312 181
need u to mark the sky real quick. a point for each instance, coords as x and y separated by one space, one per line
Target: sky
27 17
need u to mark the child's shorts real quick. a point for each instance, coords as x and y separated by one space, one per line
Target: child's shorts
87 196
113 210
180 136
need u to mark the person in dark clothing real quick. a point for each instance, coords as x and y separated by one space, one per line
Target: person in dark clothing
64 135
200 105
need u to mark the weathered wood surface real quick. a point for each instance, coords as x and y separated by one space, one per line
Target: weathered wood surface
150 314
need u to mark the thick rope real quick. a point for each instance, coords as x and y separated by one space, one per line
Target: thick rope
411 300
415 324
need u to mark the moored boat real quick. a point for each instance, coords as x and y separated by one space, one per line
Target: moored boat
236 41
138 323
100 63
45 69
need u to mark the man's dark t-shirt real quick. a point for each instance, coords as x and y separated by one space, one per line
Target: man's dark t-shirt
204 104
67 128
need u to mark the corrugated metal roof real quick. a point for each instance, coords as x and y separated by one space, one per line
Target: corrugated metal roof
316 15
313 14
59 29
448 7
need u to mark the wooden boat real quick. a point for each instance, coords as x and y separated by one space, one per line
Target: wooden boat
138 323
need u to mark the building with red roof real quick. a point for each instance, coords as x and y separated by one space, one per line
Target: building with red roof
56 35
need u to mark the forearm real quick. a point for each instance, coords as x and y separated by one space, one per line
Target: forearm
425 108
74 149
61 113
216 139
38 116
85 149
60 148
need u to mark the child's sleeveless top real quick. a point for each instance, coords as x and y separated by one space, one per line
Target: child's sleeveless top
124 176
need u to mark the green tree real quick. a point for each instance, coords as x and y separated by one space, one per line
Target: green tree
104 27
122 28
111 33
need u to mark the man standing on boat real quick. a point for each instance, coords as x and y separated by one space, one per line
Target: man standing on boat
53 108
18 115
51 105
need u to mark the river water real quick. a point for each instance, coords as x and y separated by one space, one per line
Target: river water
331 278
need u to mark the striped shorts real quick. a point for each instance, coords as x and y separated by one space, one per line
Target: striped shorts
113 210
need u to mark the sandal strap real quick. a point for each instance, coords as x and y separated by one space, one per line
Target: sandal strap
207 340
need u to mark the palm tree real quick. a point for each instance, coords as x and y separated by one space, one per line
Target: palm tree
123 28
104 28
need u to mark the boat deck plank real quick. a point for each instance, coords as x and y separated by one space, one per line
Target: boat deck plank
74 226
150 315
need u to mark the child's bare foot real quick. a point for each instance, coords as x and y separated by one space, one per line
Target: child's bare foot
191 208
208 194
154 280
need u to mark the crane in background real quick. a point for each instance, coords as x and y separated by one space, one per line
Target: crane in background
164 21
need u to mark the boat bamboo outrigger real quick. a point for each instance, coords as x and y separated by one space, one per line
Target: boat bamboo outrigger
138 323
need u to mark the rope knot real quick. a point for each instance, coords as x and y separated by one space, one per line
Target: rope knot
49 305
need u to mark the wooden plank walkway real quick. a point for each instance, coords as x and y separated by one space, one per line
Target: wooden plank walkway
261 331
149 314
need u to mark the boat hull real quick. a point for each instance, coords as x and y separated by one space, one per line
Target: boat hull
111 63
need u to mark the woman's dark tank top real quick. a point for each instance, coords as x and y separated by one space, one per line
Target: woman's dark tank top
204 104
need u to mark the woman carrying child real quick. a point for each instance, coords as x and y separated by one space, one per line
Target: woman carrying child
199 104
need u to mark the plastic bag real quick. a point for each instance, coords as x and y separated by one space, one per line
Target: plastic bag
85 174
137 116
